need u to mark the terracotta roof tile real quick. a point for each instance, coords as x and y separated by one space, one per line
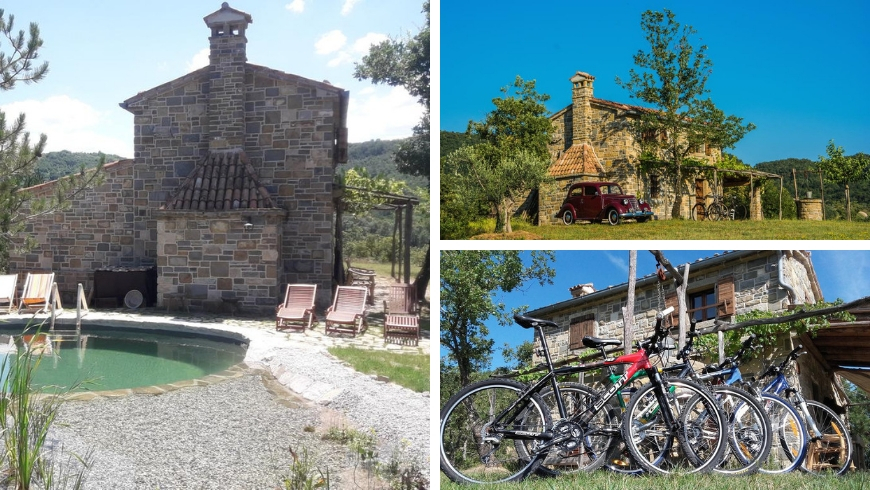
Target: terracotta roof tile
579 159
221 181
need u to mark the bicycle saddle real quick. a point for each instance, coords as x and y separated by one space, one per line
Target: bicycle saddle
529 322
596 343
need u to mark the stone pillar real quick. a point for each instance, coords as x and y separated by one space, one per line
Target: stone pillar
755 212
581 96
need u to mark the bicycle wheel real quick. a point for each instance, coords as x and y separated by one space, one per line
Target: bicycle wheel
789 435
715 211
699 430
833 450
739 211
699 212
477 442
591 451
749 432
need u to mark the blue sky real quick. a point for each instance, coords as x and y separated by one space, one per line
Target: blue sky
842 274
798 70
102 53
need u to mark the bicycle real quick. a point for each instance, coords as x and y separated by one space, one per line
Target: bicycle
750 435
500 430
729 208
830 445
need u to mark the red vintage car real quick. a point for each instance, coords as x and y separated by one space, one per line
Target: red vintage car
602 201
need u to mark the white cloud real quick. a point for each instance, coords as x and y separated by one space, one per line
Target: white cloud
330 42
348 6
383 114
364 44
296 6
343 57
618 261
72 125
198 61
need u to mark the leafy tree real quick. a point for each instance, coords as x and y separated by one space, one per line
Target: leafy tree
470 280
844 170
406 63
18 155
512 157
672 78
859 417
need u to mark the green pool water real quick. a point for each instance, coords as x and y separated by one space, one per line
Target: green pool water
110 358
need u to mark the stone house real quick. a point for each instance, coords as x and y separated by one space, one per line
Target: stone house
229 195
592 140
719 287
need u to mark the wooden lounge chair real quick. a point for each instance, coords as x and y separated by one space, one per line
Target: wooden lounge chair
37 292
298 305
348 311
8 284
401 319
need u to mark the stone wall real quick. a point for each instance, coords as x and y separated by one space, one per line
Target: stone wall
95 232
809 209
756 287
209 257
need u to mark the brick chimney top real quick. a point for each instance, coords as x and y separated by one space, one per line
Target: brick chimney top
581 290
227 21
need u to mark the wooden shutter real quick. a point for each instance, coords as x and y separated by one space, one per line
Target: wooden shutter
725 296
580 327
671 300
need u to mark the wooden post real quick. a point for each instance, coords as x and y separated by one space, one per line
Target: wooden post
794 181
681 304
721 336
780 198
822 183
409 213
628 309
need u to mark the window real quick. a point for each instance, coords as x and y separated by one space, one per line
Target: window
702 305
590 190
580 327
654 187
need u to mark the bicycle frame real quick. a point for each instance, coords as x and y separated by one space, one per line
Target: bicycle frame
778 385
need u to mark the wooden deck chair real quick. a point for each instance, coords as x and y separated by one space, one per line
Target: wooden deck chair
401 319
298 305
348 311
8 284
37 292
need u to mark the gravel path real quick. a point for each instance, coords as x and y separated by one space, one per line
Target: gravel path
236 434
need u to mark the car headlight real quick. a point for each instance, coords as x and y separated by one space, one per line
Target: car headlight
625 202
640 201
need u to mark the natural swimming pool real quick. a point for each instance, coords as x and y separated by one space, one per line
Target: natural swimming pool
110 358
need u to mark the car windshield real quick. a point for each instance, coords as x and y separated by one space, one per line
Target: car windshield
611 189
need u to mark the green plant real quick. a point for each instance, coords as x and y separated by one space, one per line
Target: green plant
26 415
304 475
408 370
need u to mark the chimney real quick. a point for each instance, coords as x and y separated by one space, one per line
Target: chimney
226 74
581 95
581 290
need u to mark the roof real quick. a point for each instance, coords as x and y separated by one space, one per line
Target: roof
700 264
605 103
221 181
579 159
227 14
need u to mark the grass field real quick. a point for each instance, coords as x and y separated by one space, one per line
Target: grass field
684 230
605 480
408 370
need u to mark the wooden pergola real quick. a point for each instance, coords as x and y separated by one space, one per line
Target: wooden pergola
753 174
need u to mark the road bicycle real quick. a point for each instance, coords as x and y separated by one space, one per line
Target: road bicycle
750 435
829 449
500 430
728 208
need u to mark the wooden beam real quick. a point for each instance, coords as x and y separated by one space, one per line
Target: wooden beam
726 327
675 274
811 348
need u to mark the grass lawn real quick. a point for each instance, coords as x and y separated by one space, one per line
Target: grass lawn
605 480
684 230
408 370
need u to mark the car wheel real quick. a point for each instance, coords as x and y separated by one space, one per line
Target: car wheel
568 217
613 217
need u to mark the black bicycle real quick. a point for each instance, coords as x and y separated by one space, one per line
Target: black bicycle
500 430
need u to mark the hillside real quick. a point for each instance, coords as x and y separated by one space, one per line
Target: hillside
57 164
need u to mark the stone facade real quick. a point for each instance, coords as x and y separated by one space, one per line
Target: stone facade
293 132
605 125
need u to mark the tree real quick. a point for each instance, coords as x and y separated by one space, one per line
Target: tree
672 78
18 156
512 157
842 170
405 63
469 282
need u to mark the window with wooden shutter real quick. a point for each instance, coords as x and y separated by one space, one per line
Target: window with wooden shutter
671 300
580 327
725 296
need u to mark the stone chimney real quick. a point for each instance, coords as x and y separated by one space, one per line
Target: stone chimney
581 290
226 73
581 96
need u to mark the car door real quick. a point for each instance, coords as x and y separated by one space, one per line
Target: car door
591 205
